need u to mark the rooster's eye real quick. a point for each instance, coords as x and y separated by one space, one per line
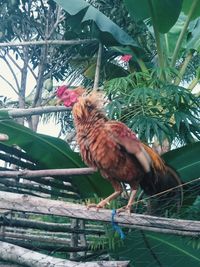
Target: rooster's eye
90 107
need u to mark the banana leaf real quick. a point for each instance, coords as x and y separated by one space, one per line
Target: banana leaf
186 7
165 12
145 249
185 160
106 30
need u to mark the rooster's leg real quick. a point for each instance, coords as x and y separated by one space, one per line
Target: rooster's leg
130 202
118 190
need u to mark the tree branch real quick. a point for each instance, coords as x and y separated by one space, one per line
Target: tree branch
40 79
59 18
28 66
10 84
12 71
14 62
25 203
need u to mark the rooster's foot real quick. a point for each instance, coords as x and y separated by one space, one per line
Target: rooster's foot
125 209
101 205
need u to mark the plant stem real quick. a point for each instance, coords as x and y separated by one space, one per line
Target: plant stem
161 61
184 29
183 68
142 65
98 67
193 84
166 44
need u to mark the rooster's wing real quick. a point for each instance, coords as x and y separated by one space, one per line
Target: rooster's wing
128 140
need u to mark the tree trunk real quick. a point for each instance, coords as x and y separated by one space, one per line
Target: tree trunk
22 89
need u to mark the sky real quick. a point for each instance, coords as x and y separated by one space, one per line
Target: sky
50 128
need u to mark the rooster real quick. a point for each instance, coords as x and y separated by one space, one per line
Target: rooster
112 148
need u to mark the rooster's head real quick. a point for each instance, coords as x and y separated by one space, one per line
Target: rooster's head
86 105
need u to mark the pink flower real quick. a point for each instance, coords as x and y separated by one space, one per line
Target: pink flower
126 58
60 91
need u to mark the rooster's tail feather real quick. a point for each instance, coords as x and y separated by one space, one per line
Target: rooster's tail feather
162 181
165 185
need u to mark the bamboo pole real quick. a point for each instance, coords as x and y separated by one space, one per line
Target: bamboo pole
49 42
25 203
47 226
17 113
37 188
16 254
4 264
48 172
42 239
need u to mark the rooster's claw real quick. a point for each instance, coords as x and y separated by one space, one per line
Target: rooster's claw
124 209
101 205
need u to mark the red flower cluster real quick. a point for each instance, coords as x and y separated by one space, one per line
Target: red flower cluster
126 58
68 97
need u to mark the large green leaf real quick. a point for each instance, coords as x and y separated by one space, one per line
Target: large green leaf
172 36
193 41
186 161
145 249
50 152
109 32
165 12
187 5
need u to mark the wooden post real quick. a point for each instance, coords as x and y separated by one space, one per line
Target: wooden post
83 240
74 238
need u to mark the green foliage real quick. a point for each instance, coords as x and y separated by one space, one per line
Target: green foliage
106 30
110 241
187 7
154 109
194 243
172 36
192 212
193 41
186 161
165 12
152 249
